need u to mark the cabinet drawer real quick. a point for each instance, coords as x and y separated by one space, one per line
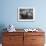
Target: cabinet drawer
37 39
20 44
12 39
13 33
16 41
37 44
34 33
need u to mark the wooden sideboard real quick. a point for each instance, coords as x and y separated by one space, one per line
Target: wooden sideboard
23 39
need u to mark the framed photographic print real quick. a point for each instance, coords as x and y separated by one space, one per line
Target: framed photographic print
26 14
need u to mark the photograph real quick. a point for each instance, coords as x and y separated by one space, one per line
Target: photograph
26 14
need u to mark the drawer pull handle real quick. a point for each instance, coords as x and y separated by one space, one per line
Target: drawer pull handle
33 39
10 38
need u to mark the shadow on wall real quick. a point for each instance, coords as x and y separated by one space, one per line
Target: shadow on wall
2 26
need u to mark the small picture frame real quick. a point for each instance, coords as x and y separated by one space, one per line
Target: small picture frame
26 14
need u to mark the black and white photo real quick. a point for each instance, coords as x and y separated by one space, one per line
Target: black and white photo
26 14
